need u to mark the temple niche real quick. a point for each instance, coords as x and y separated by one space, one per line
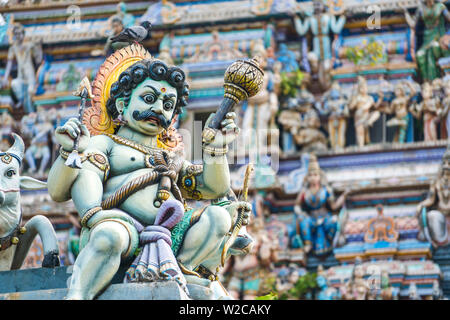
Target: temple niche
348 134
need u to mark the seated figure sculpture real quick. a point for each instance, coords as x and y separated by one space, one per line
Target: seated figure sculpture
135 99
432 213
313 207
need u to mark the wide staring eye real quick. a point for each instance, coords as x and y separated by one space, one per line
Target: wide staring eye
168 105
10 173
149 98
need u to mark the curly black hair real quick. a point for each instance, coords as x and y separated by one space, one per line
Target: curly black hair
140 71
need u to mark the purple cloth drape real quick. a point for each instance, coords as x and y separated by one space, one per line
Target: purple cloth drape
156 260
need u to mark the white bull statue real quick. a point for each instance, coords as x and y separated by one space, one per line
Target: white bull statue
15 241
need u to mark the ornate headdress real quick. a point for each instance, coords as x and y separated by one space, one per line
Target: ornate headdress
97 118
313 165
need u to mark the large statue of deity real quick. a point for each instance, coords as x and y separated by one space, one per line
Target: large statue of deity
320 22
432 213
23 52
314 207
366 112
434 15
131 188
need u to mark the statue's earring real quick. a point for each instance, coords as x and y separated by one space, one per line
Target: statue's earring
120 108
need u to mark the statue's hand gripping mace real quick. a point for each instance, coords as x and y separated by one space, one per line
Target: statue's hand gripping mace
84 91
243 79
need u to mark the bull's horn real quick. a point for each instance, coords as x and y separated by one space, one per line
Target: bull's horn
18 148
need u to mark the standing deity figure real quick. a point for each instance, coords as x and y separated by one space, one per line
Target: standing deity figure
6 129
399 107
320 23
434 15
131 188
431 109
127 19
356 288
438 93
257 136
335 105
387 291
445 116
117 26
437 292
432 213
23 52
39 147
412 292
287 58
313 208
365 113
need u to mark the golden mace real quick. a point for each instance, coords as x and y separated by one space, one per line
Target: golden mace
243 79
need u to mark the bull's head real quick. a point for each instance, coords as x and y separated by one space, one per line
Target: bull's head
10 180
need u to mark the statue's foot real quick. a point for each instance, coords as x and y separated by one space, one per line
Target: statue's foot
196 280
51 260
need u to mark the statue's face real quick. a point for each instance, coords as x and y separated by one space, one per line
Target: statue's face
429 3
314 177
150 108
293 277
18 34
427 90
318 6
359 271
446 164
399 92
362 88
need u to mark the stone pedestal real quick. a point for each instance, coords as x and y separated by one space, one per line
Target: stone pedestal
51 284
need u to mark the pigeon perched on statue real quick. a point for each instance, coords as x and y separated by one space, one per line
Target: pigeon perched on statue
134 34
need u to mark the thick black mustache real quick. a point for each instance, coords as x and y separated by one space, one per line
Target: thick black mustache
145 115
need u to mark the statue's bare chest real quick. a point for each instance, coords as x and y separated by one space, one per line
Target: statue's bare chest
123 159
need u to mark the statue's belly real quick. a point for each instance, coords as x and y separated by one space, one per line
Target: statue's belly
140 204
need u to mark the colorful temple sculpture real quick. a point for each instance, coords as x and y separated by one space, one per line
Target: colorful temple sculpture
314 131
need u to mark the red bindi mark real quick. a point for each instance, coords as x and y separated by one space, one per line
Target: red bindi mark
163 89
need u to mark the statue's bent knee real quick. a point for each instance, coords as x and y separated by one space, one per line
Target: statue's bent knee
108 236
437 225
220 218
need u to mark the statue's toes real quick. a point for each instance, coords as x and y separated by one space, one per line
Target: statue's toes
51 260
